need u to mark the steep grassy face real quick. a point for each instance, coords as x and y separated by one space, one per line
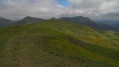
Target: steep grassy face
56 43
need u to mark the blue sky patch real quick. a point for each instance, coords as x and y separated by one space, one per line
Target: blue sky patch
64 3
1 0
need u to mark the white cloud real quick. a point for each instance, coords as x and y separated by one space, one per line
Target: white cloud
20 8
14 9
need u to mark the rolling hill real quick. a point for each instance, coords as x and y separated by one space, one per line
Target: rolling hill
58 43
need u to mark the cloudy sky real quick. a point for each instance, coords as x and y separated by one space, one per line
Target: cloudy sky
95 9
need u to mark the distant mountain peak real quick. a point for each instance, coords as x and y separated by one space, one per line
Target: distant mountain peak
29 16
28 20
53 18
81 16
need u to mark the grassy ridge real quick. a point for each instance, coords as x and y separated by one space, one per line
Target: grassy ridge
55 43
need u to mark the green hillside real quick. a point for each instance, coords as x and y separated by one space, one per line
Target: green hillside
58 43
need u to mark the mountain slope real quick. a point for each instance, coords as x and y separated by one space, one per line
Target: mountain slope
28 20
116 27
57 43
5 22
87 21
108 22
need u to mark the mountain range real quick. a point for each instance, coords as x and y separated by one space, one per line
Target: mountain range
78 19
86 21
